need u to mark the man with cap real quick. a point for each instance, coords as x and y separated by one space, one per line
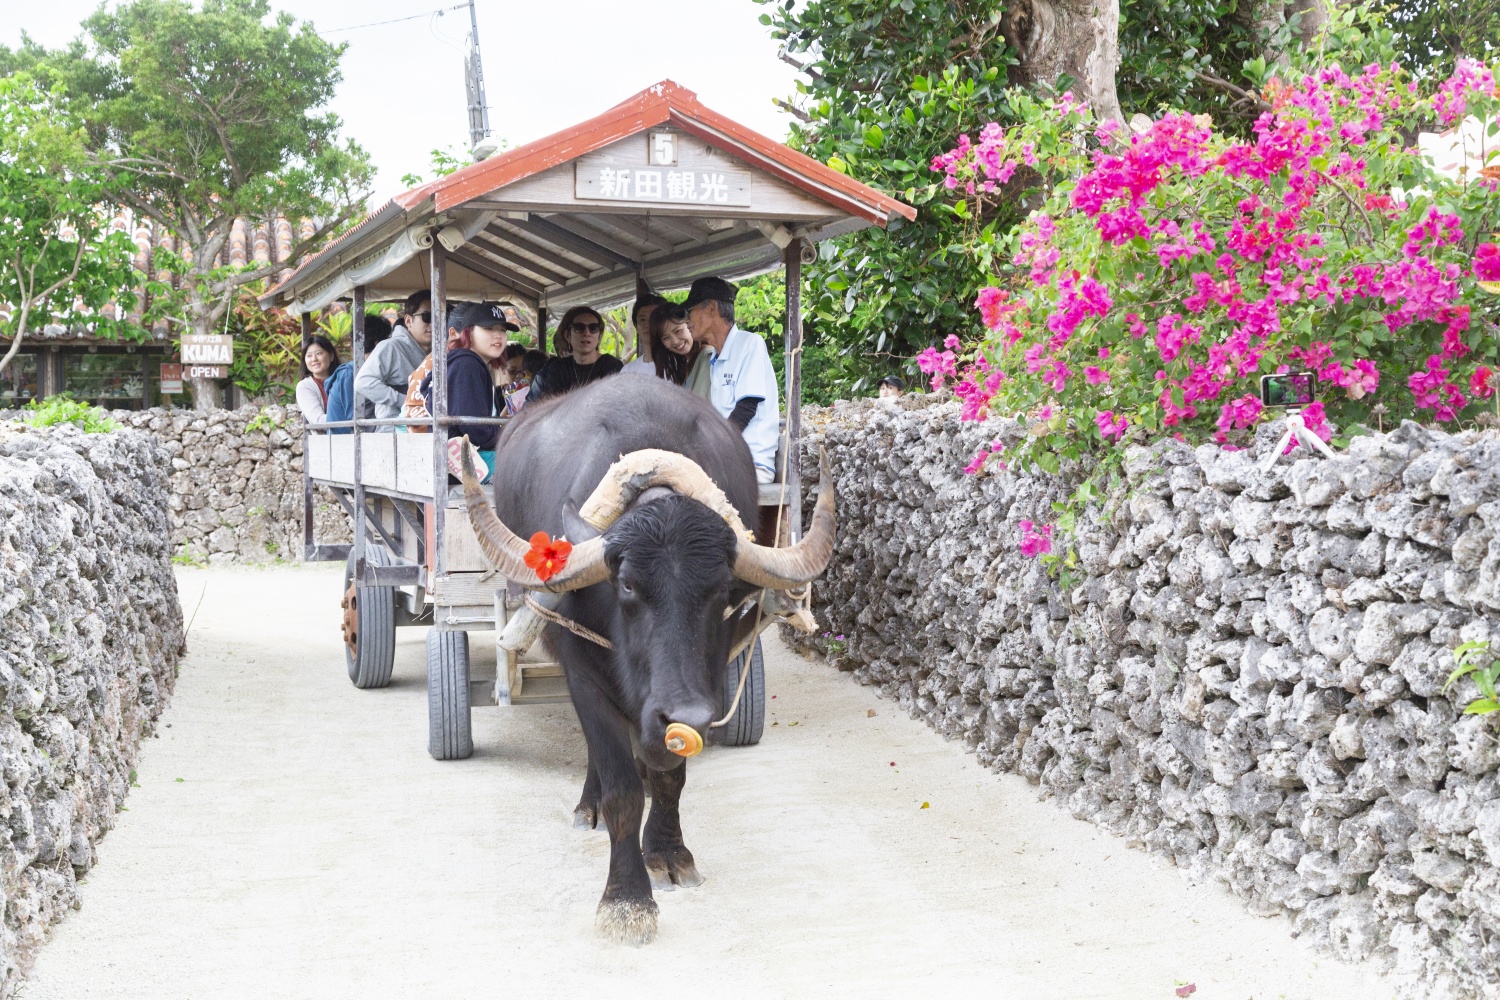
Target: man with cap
478 332
742 383
892 387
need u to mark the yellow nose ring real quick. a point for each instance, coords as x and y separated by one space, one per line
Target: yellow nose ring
683 740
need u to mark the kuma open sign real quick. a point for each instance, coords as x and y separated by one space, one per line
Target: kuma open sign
207 349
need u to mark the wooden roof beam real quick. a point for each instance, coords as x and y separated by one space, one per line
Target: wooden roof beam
547 253
569 240
510 256
631 225
582 230
489 269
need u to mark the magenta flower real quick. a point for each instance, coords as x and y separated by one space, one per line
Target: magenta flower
1487 262
1110 427
1036 539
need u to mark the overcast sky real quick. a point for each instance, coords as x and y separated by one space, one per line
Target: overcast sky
547 64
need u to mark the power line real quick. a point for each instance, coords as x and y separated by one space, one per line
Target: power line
394 20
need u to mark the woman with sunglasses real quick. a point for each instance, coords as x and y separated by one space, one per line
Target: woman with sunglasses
580 331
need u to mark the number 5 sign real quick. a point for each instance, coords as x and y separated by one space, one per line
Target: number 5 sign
663 149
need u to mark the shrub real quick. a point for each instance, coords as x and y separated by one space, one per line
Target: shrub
64 409
1163 271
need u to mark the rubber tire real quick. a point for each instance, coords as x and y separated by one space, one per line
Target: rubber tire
376 626
449 736
749 722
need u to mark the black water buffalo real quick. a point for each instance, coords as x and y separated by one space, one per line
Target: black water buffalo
657 493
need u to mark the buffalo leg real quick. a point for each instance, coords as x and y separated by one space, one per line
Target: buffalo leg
627 913
586 814
668 861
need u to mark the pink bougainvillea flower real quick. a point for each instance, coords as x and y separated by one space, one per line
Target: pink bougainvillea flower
1482 382
1036 539
1470 78
1317 421
1110 426
1239 414
1487 262
1095 375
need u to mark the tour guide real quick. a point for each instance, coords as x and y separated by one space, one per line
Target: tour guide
742 382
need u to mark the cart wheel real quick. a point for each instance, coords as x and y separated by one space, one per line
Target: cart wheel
369 625
749 720
448 734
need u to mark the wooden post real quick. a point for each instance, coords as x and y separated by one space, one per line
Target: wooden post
793 259
439 263
541 328
357 334
308 544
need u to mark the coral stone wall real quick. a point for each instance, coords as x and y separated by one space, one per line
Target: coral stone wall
237 483
90 634
1245 675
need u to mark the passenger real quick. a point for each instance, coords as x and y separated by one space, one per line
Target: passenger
318 362
640 317
742 383
892 387
671 343
580 331
513 355
476 366
514 396
383 379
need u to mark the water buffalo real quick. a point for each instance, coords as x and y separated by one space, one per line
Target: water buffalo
662 565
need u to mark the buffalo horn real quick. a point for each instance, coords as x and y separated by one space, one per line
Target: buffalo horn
506 551
783 569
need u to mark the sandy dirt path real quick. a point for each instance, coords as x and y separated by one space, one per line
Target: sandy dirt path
291 838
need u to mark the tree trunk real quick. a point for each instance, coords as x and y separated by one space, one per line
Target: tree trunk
1315 15
1075 38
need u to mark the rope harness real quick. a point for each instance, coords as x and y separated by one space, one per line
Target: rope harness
581 631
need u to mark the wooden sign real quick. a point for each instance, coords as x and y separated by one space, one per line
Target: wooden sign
171 380
666 169
205 371
207 349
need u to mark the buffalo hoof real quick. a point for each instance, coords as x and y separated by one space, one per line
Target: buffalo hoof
627 921
586 817
670 869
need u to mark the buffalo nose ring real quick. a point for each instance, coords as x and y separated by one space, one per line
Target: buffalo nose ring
684 741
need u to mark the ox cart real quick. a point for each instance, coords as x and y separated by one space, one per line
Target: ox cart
656 191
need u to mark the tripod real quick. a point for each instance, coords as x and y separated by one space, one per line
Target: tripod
1296 431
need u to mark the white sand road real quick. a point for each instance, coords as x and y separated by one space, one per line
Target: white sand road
291 838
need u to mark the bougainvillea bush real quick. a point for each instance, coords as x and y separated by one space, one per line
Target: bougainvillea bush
1166 267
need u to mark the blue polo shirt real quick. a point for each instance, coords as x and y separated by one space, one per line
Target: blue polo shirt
743 368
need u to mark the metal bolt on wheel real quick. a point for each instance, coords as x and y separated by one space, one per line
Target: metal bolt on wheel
369 626
749 720
448 734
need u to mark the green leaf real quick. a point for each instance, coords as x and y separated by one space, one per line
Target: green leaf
874 137
1482 706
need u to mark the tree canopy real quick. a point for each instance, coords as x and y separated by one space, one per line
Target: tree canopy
59 262
205 114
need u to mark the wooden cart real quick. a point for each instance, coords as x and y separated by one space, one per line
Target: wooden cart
658 190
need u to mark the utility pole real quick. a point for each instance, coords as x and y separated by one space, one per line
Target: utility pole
479 112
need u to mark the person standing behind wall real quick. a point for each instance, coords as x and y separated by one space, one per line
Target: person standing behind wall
742 383
383 379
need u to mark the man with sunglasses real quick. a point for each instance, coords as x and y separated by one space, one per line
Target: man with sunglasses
582 328
383 379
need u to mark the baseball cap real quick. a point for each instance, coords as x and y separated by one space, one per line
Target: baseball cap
463 315
710 289
894 381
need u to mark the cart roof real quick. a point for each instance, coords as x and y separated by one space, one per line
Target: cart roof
658 187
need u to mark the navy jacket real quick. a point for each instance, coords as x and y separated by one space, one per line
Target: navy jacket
471 393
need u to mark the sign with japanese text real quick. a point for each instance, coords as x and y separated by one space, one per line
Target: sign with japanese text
171 379
609 177
207 349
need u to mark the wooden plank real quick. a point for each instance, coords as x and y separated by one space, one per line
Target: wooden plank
414 464
552 255
582 230
558 236
378 460
514 257
462 548
636 227
470 258
475 591
793 471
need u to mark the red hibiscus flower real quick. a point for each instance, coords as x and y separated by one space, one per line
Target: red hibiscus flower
547 557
